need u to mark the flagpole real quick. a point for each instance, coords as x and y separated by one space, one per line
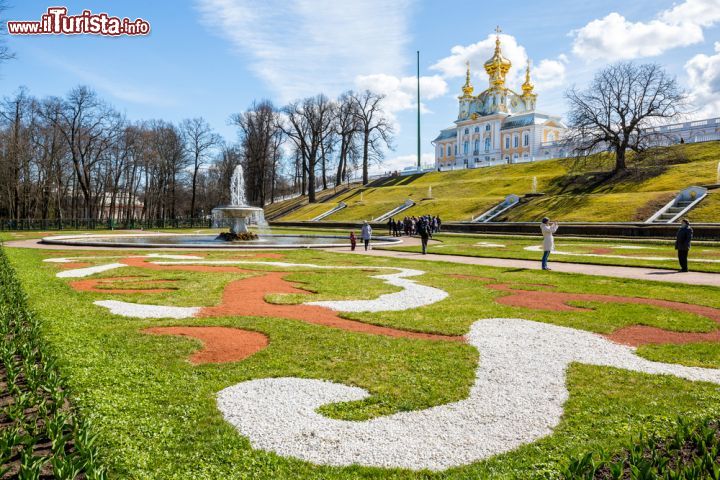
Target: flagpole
418 111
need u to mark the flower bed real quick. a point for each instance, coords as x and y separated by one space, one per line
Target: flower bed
41 435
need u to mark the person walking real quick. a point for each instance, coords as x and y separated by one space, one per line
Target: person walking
682 243
547 228
391 226
423 229
353 241
366 234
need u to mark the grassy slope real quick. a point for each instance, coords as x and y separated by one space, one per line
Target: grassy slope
575 191
157 414
641 255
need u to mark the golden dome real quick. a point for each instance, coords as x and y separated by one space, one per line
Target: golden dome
498 66
527 87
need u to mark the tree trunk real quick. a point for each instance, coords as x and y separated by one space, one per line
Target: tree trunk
620 164
366 147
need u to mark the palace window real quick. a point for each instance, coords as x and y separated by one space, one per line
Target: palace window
477 129
466 146
516 141
487 127
526 139
467 130
449 150
487 144
440 151
507 141
551 137
477 146
456 149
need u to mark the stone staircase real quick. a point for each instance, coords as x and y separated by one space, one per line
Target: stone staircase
324 215
408 203
509 202
679 206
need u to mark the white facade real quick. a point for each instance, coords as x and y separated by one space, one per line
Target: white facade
498 126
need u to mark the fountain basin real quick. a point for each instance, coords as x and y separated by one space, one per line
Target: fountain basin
177 240
238 214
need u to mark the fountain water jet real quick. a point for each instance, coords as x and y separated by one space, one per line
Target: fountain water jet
238 211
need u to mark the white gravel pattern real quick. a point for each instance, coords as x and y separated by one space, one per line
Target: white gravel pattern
139 310
86 272
517 398
490 245
539 248
412 295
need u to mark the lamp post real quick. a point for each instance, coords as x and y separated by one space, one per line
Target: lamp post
418 110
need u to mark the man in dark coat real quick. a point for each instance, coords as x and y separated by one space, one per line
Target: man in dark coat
682 244
423 229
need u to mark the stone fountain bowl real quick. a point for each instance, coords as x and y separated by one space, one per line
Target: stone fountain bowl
237 211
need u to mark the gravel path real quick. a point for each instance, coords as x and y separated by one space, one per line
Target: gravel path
87 271
539 249
139 310
635 273
517 398
412 295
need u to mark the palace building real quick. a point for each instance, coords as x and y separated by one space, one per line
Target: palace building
497 126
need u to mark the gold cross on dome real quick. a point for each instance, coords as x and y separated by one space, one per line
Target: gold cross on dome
497 30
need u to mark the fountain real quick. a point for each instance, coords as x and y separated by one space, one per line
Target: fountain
239 212
534 185
239 215
430 192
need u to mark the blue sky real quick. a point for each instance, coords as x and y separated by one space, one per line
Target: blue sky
212 58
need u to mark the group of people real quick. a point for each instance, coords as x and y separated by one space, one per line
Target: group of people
409 225
426 225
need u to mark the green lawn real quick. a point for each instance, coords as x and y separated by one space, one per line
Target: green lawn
704 256
156 415
574 190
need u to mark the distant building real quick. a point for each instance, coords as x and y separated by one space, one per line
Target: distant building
497 126
694 131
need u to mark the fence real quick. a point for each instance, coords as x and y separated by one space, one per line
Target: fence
91 224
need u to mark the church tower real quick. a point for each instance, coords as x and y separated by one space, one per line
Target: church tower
528 95
497 68
467 95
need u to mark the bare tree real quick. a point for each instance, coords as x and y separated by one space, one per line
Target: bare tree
5 53
347 128
260 138
200 140
308 124
88 125
620 109
376 131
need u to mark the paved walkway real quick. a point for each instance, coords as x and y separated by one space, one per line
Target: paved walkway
635 273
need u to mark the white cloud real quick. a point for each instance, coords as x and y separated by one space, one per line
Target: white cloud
478 53
550 73
699 12
302 47
704 82
616 38
547 74
401 92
